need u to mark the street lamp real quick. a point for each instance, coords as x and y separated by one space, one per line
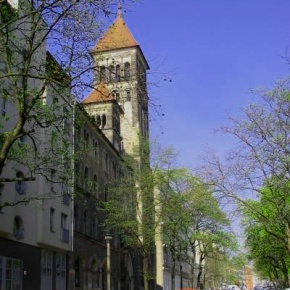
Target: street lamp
108 238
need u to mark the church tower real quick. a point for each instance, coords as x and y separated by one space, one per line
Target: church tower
120 76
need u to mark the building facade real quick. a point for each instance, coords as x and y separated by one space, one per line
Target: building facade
51 233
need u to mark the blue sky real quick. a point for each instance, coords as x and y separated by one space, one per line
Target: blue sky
215 52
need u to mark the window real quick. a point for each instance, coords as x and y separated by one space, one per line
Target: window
85 222
95 185
20 186
18 229
64 230
11 273
106 160
116 95
66 122
118 72
65 194
104 120
22 140
60 265
98 120
86 179
114 167
46 263
77 273
94 228
102 74
128 96
112 73
51 219
96 150
127 73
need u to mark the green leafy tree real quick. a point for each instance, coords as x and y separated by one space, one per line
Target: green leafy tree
267 233
130 211
258 166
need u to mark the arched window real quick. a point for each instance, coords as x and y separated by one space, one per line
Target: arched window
95 185
86 179
127 71
96 150
116 95
98 120
18 228
102 74
20 186
86 139
85 217
104 120
94 227
118 72
112 73
128 96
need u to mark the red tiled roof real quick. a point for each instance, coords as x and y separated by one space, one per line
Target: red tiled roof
117 36
99 94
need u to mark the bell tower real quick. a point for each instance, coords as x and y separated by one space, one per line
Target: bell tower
121 67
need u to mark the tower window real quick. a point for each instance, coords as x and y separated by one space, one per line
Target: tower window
98 120
102 74
128 96
112 73
118 72
104 120
116 95
127 71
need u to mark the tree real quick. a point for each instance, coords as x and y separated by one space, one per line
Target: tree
130 211
38 88
259 160
193 225
267 244
207 231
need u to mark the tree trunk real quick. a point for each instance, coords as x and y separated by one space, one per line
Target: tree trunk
173 270
145 272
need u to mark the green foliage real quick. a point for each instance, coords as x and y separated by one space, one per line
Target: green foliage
267 231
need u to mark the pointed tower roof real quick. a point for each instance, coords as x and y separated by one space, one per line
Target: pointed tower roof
99 94
117 36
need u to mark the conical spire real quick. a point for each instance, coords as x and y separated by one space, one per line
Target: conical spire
117 36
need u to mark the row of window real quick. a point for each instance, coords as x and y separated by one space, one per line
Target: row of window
18 226
20 187
114 73
97 271
64 231
87 223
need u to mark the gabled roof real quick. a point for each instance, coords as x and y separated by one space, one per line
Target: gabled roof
99 94
117 36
